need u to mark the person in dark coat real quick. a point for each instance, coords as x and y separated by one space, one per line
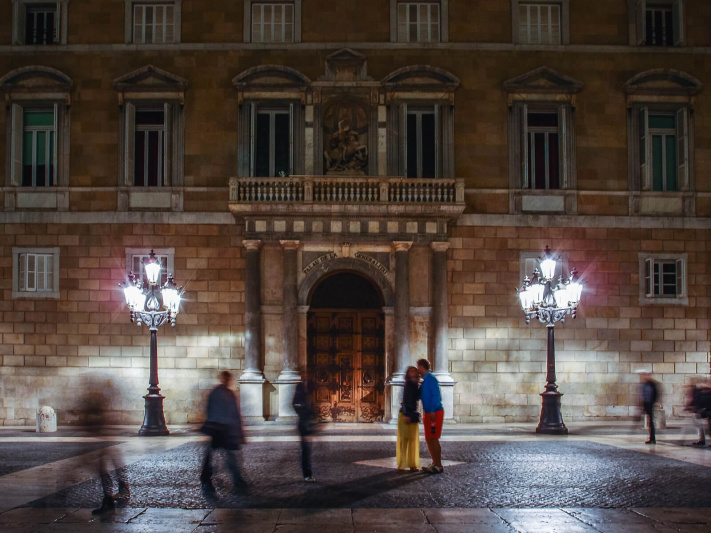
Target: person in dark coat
304 407
224 425
650 395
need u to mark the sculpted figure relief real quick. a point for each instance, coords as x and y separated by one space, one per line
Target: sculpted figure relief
346 149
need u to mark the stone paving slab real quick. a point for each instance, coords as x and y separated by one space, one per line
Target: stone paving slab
17 456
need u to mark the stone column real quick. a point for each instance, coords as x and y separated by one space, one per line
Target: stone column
402 325
440 326
251 382
289 377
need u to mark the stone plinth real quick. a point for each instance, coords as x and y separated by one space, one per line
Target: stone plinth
46 420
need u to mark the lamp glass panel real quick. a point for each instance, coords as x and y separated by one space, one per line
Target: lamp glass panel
153 272
548 268
537 292
561 297
575 290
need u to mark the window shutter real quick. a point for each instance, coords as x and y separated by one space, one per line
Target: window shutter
678 22
130 140
563 146
682 141
645 150
21 23
57 25
167 145
252 136
438 140
55 137
403 140
680 278
22 279
291 139
16 146
524 146
649 277
640 15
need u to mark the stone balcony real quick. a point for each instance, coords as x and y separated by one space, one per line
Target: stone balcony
379 207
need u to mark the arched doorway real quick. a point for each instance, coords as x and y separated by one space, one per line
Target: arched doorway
346 353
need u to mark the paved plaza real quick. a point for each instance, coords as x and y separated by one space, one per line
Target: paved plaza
602 477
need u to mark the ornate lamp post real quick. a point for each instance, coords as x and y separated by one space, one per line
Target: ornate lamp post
142 300
550 301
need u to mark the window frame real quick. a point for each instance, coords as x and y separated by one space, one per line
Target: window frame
167 253
637 10
641 172
17 252
19 14
247 29
519 139
443 21
129 36
564 21
647 261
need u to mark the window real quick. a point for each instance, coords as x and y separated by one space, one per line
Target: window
419 21
421 144
663 148
530 261
272 151
540 21
35 273
153 22
39 147
40 23
269 21
149 155
663 278
656 22
135 256
545 158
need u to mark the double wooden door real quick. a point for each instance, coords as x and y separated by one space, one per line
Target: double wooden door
346 364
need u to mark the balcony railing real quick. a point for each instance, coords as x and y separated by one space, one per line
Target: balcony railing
351 190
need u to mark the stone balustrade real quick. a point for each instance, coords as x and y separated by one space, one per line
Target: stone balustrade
348 190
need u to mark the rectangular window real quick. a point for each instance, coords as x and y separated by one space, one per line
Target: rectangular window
137 265
418 22
663 149
659 25
663 278
272 23
539 23
41 24
153 23
35 273
543 150
421 145
272 143
150 147
39 148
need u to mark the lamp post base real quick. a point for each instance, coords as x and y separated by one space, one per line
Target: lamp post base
551 418
154 420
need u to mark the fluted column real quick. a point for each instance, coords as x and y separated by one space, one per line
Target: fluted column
252 379
289 376
402 324
440 325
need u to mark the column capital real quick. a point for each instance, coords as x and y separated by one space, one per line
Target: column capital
402 246
252 244
440 246
290 245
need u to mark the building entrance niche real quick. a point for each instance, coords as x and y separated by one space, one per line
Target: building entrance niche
346 354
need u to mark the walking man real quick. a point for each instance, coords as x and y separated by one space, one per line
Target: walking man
224 425
650 394
307 425
434 416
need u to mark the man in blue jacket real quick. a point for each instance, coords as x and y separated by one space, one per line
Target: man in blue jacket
434 416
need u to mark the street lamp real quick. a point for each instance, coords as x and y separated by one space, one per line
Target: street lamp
142 300
550 301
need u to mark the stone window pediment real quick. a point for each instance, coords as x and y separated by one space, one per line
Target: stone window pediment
662 82
36 81
542 81
271 80
424 80
150 81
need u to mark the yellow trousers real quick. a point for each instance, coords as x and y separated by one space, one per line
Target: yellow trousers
408 444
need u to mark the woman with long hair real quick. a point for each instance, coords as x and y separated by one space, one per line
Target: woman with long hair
408 424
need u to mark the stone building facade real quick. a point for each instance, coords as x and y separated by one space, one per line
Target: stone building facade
345 187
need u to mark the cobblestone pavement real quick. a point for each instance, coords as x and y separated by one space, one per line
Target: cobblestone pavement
500 479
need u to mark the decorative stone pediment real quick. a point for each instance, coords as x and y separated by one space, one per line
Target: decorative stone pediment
35 80
663 82
270 77
543 80
419 77
148 81
346 65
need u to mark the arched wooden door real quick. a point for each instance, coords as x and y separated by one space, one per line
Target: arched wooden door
346 364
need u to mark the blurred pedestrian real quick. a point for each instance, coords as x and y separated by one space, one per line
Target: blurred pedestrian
304 407
224 425
434 415
102 392
649 396
699 403
408 424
